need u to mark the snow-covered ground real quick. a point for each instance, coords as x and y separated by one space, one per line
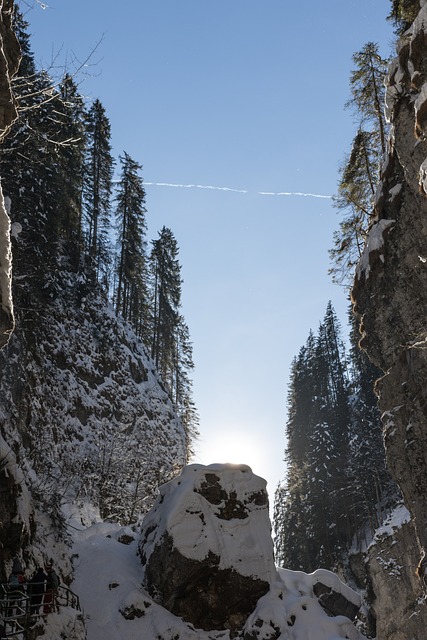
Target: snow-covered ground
109 578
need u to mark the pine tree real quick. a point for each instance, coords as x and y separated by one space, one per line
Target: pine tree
316 454
166 272
131 296
33 164
360 173
98 176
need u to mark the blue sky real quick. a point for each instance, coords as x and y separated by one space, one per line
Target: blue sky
247 95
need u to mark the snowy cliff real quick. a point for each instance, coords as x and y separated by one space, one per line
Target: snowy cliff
390 299
84 419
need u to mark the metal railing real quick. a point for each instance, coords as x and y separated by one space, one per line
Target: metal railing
20 607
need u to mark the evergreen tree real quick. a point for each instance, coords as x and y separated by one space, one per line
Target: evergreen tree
98 176
317 454
171 348
182 393
166 272
337 485
356 191
368 91
373 489
72 146
131 296
360 173
34 164
403 13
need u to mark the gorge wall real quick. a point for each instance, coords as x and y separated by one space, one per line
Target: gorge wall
84 419
9 62
390 299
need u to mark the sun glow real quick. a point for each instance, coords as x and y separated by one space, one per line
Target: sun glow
234 447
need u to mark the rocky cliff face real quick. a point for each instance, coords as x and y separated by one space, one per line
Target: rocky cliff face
385 570
9 62
390 289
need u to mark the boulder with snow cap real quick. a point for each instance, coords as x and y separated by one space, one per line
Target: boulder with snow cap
291 610
207 548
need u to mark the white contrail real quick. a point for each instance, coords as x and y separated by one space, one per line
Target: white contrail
261 193
293 193
194 186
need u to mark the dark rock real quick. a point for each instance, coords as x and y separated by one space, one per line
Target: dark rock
334 603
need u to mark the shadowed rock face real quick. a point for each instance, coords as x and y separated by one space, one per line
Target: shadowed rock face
207 546
9 63
390 289
333 602
200 591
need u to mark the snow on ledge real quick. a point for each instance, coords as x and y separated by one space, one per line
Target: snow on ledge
304 583
374 242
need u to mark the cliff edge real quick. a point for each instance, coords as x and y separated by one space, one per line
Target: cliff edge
390 292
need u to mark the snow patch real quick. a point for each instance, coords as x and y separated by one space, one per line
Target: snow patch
374 242
5 258
394 191
397 518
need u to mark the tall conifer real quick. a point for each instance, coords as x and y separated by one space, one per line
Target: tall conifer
98 176
131 297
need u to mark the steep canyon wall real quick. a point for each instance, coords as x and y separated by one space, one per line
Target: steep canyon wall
390 292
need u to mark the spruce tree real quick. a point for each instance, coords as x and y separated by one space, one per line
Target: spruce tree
360 173
34 167
98 177
167 281
368 91
72 144
317 452
131 295
356 191
373 489
182 386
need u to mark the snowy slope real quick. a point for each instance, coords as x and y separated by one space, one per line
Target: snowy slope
82 406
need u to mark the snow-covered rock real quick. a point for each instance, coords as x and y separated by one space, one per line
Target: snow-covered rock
207 555
206 545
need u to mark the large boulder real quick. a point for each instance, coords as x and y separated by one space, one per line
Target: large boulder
208 556
207 548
